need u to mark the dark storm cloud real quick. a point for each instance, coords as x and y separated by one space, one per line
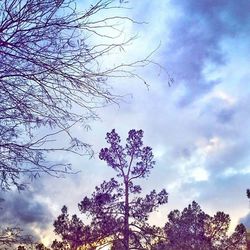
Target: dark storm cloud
22 209
195 40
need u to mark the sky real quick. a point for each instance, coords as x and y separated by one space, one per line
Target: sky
199 127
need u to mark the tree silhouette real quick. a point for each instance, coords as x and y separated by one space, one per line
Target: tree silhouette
11 236
238 240
194 229
72 231
117 214
21 248
51 55
114 206
40 246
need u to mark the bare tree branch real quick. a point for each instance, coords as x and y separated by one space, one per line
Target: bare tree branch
52 76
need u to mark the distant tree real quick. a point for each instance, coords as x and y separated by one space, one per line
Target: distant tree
194 229
72 231
40 246
75 234
12 236
116 210
51 57
238 240
21 248
60 245
187 229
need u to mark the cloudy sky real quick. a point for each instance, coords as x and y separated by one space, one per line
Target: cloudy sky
199 128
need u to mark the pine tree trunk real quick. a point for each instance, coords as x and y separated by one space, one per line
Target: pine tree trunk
126 217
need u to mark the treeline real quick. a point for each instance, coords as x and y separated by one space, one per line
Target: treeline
191 228
119 214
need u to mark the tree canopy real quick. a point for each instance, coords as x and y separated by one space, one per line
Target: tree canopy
118 215
194 229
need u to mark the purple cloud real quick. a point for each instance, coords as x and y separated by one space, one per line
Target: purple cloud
195 41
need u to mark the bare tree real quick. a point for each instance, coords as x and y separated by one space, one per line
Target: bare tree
51 77
12 236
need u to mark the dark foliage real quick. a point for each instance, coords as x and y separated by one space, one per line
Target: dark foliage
41 247
72 231
194 229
